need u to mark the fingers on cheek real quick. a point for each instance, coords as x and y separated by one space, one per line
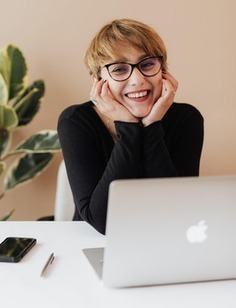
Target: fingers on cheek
104 87
166 87
168 77
94 91
176 85
168 93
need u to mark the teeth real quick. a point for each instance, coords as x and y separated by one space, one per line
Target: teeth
137 95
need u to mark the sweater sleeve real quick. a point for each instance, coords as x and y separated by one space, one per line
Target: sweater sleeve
89 174
187 141
122 164
156 157
172 147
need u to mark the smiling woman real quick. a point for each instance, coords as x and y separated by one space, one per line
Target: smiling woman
131 128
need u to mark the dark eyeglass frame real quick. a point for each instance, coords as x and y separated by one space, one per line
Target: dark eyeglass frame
133 66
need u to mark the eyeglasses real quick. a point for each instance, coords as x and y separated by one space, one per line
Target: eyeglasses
121 71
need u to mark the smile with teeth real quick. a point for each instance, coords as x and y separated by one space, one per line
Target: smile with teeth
137 94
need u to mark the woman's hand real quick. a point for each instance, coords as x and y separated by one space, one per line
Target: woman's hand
103 99
159 109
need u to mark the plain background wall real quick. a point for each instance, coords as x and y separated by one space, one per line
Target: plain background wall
54 34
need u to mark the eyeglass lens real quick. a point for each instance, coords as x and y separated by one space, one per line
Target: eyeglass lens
122 71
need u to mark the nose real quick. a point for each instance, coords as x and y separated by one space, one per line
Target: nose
136 77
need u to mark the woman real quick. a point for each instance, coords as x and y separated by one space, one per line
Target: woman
131 127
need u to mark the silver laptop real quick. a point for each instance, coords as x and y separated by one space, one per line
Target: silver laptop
165 231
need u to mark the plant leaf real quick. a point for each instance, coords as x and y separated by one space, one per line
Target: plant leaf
5 66
8 117
2 167
28 103
7 216
3 91
43 141
5 140
26 168
14 69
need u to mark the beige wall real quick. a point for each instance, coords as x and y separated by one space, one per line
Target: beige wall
54 34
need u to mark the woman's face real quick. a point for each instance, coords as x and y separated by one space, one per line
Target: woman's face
138 93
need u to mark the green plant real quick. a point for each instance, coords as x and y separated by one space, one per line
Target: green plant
19 103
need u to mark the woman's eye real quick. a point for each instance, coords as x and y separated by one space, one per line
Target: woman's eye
147 65
119 69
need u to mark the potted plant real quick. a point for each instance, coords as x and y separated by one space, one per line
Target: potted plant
19 103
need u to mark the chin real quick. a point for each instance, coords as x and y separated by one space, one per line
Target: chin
141 113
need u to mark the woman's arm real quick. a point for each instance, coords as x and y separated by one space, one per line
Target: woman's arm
93 161
157 161
172 147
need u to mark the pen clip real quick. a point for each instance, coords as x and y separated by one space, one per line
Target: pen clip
48 262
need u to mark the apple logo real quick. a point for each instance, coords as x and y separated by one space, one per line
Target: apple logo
197 233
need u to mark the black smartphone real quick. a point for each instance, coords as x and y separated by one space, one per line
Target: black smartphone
13 249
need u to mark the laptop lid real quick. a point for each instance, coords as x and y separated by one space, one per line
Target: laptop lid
171 230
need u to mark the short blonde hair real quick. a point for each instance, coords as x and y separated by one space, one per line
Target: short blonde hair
106 44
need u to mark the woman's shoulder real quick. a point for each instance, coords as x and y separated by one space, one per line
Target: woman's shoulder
183 111
76 110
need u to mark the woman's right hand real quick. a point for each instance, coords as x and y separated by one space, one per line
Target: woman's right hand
103 99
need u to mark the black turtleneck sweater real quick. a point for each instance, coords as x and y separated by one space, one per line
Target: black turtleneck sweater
168 148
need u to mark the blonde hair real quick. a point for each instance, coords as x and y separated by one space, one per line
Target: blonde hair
107 44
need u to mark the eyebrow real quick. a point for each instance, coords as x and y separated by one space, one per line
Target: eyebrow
125 60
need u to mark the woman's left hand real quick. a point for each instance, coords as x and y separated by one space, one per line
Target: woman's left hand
159 109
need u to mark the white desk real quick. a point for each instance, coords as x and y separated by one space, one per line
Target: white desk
71 281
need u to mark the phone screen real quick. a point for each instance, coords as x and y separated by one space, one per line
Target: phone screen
12 249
